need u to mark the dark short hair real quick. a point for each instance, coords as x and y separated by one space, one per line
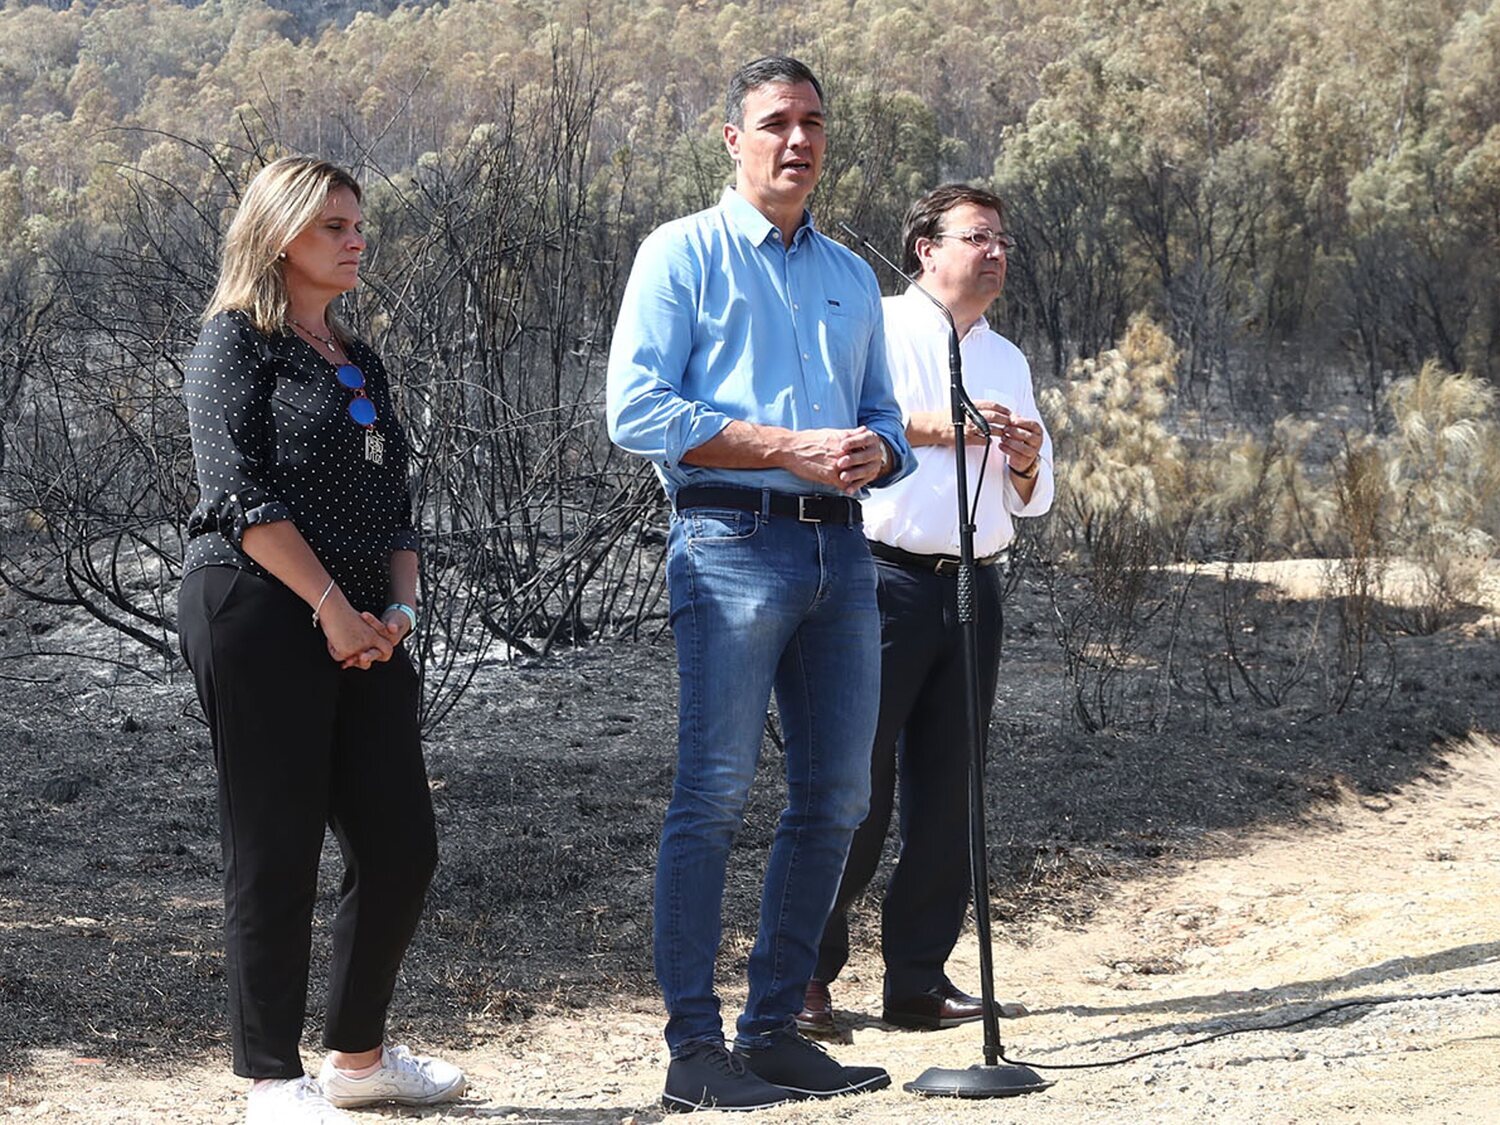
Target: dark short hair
753 75
925 217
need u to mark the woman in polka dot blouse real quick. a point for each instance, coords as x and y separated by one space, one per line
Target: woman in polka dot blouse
301 577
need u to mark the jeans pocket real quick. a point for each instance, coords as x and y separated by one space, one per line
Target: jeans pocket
706 526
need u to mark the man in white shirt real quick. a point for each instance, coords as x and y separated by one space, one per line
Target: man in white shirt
954 242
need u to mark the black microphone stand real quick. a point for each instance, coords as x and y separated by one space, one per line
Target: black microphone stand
990 1080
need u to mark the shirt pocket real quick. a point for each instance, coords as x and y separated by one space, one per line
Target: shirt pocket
300 394
845 335
311 419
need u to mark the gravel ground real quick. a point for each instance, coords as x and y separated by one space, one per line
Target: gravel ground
1238 865
1386 899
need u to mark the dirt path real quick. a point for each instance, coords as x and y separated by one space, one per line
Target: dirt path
1383 897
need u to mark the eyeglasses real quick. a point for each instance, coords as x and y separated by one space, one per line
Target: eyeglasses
361 409
980 238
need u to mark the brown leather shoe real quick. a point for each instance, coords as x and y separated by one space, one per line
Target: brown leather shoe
816 1016
944 1006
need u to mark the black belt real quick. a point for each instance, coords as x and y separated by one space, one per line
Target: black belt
809 508
932 564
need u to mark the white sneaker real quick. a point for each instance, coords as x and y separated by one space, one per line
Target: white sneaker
403 1077
292 1101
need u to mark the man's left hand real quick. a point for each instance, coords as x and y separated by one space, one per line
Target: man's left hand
862 460
1021 441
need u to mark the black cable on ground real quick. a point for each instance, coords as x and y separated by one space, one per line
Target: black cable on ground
1315 1014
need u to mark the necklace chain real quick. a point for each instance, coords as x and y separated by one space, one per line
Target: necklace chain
330 342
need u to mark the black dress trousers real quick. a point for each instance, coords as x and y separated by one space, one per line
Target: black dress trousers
301 745
921 747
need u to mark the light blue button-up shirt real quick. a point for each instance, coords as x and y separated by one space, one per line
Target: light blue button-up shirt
722 321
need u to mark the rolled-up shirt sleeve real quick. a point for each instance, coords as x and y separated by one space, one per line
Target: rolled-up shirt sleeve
1042 491
406 537
648 358
227 389
878 409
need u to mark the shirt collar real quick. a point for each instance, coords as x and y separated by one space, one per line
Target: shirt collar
746 218
979 327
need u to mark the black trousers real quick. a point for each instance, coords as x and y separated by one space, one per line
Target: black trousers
300 744
921 743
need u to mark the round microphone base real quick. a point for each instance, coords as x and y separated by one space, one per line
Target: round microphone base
977 1082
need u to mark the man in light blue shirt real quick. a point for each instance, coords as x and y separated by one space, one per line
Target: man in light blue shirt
748 365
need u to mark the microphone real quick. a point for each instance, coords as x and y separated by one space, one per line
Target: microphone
990 1080
955 358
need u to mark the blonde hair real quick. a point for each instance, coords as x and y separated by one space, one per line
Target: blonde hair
282 200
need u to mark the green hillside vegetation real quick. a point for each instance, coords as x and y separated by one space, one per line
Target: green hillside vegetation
1257 263
1257 173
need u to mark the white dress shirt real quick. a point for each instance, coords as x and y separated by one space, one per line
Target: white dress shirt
919 514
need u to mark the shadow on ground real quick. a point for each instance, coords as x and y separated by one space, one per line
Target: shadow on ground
550 781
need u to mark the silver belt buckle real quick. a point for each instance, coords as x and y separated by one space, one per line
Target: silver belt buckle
802 516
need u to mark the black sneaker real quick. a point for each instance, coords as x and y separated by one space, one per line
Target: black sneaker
797 1064
709 1077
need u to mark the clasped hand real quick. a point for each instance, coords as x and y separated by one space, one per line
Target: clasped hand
359 640
846 459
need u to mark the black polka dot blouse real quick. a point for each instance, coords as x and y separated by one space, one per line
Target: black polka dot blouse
273 440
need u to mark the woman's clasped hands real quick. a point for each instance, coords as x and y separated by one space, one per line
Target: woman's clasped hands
359 639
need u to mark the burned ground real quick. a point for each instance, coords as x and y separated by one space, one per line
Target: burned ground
550 780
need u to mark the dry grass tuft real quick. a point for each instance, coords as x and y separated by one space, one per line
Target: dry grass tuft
1444 482
1262 493
1121 459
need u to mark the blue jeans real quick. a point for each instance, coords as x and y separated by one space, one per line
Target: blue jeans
760 602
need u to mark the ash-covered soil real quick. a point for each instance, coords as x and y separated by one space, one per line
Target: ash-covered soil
550 780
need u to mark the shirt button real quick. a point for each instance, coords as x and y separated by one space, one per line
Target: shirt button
817 406
805 355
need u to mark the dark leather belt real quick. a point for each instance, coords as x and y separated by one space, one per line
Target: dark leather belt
932 564
812 508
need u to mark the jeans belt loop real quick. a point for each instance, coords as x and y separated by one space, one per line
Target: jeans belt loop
765 505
